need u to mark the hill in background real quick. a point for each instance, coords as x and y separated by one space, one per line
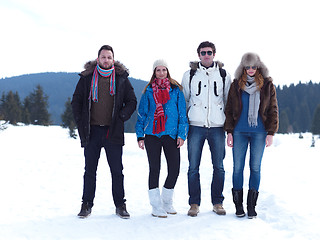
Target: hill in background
58 86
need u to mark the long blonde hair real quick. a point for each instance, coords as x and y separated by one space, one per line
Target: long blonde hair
171 80
258 78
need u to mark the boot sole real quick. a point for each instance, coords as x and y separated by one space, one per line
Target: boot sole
193 214
82 217
159 216
123 217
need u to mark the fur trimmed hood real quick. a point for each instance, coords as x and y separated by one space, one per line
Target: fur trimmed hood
194 65
89 68
251 59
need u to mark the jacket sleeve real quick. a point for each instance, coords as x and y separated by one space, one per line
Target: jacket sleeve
229 123
142 115
183 125
185 85
77 102
129 101
272 122
227 88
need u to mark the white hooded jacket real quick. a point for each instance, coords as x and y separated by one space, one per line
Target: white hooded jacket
204 97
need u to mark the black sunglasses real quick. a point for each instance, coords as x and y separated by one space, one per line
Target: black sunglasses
248 67
203 53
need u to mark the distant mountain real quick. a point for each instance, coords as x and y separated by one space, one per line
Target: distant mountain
58 86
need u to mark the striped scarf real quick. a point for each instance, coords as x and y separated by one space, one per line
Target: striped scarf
161 88
94 82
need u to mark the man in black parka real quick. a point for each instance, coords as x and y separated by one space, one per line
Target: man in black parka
102 101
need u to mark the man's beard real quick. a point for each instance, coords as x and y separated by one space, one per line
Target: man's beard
107 68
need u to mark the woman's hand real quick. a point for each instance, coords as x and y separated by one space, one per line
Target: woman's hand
141 144
180 142
269 140
230 140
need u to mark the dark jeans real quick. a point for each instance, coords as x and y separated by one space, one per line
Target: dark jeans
98 139
154 146
241 141
216 140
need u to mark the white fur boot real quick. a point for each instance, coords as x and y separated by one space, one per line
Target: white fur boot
156 203
167 196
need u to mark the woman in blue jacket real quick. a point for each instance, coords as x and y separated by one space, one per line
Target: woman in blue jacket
162 123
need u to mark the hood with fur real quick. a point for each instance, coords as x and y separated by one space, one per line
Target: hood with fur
251 59
89 68
195 64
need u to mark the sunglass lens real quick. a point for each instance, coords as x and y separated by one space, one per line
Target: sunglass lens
248 67
203 53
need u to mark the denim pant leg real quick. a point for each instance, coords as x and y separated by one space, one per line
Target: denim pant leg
257 146
240 146
216 141
114 156
92 154
196 138
239 151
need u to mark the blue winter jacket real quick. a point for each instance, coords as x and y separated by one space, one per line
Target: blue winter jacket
175 110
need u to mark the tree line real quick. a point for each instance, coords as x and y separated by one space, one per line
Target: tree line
32 110
299 109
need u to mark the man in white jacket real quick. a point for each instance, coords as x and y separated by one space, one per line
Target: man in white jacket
205 87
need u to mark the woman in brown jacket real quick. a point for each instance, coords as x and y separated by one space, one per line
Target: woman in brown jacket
251 119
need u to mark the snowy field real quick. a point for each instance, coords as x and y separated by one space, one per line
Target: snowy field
41 177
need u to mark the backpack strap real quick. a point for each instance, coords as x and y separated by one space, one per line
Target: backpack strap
223 74
192 72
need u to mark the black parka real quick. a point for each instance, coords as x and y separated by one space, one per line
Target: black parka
125 103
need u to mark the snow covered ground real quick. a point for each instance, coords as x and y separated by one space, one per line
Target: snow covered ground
41 186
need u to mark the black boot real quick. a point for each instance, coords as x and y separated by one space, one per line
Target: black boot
121 211
85 210
252 202
238 199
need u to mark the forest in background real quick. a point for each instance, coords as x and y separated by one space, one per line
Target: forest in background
298 104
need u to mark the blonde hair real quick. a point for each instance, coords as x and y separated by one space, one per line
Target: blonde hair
258 78
171 80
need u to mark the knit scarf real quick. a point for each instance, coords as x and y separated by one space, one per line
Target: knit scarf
254 101
160 88
94 82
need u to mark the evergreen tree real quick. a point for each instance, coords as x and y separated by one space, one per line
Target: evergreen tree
38 107
315 127
11 109
283 122
68 120
26 116
3 97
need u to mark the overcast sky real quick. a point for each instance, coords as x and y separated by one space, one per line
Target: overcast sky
61 35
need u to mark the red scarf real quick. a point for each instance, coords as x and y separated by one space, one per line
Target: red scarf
161 88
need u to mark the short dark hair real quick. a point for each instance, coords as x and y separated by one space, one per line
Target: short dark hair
206 44
105 47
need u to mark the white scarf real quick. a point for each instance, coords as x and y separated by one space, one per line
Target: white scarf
254 101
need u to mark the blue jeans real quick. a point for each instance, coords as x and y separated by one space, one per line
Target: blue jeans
216 141
241 141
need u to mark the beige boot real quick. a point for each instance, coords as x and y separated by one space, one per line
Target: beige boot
194 210
218 209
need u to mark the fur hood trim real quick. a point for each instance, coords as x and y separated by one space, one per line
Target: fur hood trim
251 59
89 68
194 65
